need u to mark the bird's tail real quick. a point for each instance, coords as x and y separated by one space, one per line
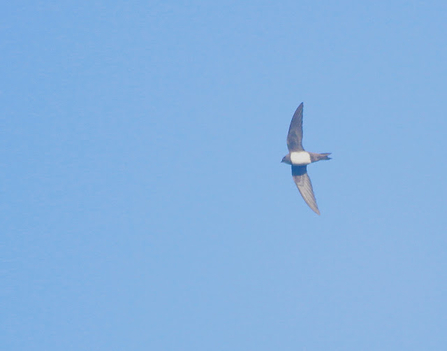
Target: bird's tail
324 156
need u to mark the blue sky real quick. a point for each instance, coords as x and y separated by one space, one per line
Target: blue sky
144 206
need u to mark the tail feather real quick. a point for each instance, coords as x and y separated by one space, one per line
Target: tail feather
318 157
324 156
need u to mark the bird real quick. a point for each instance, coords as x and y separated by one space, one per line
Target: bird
299 158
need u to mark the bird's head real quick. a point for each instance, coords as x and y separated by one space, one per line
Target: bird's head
286 159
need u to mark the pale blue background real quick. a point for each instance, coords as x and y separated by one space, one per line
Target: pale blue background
144 206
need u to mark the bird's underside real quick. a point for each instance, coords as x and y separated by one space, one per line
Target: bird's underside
299 158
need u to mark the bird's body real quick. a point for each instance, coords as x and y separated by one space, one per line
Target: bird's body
298 158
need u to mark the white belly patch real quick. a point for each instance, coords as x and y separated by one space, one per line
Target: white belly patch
300 158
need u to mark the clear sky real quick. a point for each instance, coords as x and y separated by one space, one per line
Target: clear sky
143 202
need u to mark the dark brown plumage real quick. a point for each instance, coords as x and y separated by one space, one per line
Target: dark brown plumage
298 158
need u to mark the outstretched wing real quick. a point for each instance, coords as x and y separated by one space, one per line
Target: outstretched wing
302 181
295 136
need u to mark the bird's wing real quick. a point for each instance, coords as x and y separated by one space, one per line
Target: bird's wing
302 181
295 136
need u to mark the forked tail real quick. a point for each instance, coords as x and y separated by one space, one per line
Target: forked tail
318 157
324 156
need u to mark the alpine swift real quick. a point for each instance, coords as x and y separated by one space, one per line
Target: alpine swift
298 158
